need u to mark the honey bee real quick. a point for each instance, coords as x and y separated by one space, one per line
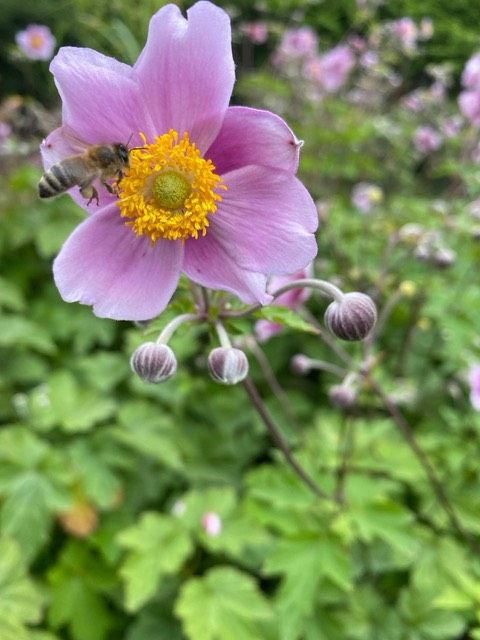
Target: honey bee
98 162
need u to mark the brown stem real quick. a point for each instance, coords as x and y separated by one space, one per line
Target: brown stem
407 433
346 447
279 439
272 381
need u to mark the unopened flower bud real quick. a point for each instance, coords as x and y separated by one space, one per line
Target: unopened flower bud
227 365
212 524
343 396
154 362
444 257
352 317
301 364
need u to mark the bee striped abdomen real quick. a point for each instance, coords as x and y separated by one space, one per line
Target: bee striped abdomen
56 180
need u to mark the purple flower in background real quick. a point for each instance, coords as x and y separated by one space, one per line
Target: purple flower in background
336 66
452 126
427 139
256 32
212 192
292 299
471 73
366 196
5 131
414 102
469 103
474 381
296 43
36 42
405 30
369 59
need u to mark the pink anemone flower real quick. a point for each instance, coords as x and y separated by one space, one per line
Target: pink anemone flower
36 42
211 193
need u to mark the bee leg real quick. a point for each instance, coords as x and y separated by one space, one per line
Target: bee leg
89 191
109 187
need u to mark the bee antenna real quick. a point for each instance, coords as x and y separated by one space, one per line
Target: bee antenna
128 142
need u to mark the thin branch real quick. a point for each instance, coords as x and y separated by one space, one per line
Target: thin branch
346 447
272 380
407 433
279 439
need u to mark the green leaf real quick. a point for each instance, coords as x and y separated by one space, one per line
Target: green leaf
286 317
62 402
16 331
224 604
20 603
157 547
77 581
11 296
306 562
25 514
76 605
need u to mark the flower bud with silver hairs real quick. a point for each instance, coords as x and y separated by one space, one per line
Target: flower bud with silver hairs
154 362
228 365
352 317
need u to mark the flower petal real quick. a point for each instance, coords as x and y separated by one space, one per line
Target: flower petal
59 145
208 264
253 136
104 264
186 70
101 100
266 221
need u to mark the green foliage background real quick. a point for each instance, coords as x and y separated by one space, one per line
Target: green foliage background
104 480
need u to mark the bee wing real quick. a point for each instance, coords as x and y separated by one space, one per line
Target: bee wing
60 144
78 146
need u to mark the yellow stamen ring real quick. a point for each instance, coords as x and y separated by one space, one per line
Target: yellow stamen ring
170 190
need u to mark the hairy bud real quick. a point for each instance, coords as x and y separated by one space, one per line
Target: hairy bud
444 257
227 365
301 364
351 318
154 362
343 396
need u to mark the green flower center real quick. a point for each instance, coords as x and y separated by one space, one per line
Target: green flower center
170 189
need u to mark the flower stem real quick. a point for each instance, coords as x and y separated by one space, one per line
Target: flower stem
272 380
172 326
279 439
328 289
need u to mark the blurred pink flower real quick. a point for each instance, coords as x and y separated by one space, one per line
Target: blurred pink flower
406 31
292 299
366 196
471 73
36 42
474 381
369 59
427 139
336 66
414 102
256 32
127 258
297 43
452 126
469 103
5 131
357 43
212 524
